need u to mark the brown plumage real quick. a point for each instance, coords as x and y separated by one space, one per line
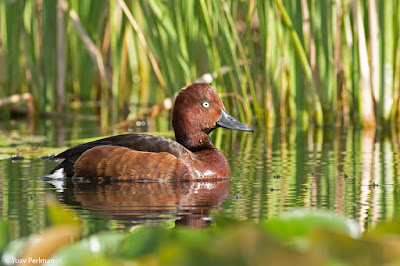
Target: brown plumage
124 163
198 110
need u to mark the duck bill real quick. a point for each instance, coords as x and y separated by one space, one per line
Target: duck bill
227 121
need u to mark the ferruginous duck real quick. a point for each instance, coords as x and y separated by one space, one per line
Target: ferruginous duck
198 110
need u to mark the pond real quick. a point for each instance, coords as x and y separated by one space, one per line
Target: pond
347 170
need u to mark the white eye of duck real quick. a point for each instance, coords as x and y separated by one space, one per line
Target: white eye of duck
205 104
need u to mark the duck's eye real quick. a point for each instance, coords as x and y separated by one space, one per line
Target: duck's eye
205 104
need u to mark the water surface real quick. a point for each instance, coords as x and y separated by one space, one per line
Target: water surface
345 170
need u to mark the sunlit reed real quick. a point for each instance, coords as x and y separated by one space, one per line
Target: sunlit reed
320 62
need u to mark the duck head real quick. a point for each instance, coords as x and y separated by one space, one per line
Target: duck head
198 110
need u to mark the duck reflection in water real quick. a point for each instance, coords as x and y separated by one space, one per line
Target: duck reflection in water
189 203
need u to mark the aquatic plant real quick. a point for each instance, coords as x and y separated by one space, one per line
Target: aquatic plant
323 62
298 236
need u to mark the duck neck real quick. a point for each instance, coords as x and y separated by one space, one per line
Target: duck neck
194 140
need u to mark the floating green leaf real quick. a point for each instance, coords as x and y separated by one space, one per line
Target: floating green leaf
143 241
300 223
93 249
59 215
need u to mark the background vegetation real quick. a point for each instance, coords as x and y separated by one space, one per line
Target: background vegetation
320 61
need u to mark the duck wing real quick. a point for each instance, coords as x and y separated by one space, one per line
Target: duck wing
138 142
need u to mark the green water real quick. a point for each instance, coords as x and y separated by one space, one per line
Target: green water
346 170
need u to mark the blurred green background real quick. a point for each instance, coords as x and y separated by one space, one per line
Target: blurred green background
303 61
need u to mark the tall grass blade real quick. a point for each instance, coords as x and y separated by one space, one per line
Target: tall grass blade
12 77
388 34
303 61
49 12
367 105
61 64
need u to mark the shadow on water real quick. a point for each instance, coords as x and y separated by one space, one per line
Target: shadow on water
345 170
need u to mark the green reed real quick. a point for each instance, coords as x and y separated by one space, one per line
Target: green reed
288 61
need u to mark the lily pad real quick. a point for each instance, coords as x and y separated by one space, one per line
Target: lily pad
298 224
90 250
4 156
20 140
28 151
